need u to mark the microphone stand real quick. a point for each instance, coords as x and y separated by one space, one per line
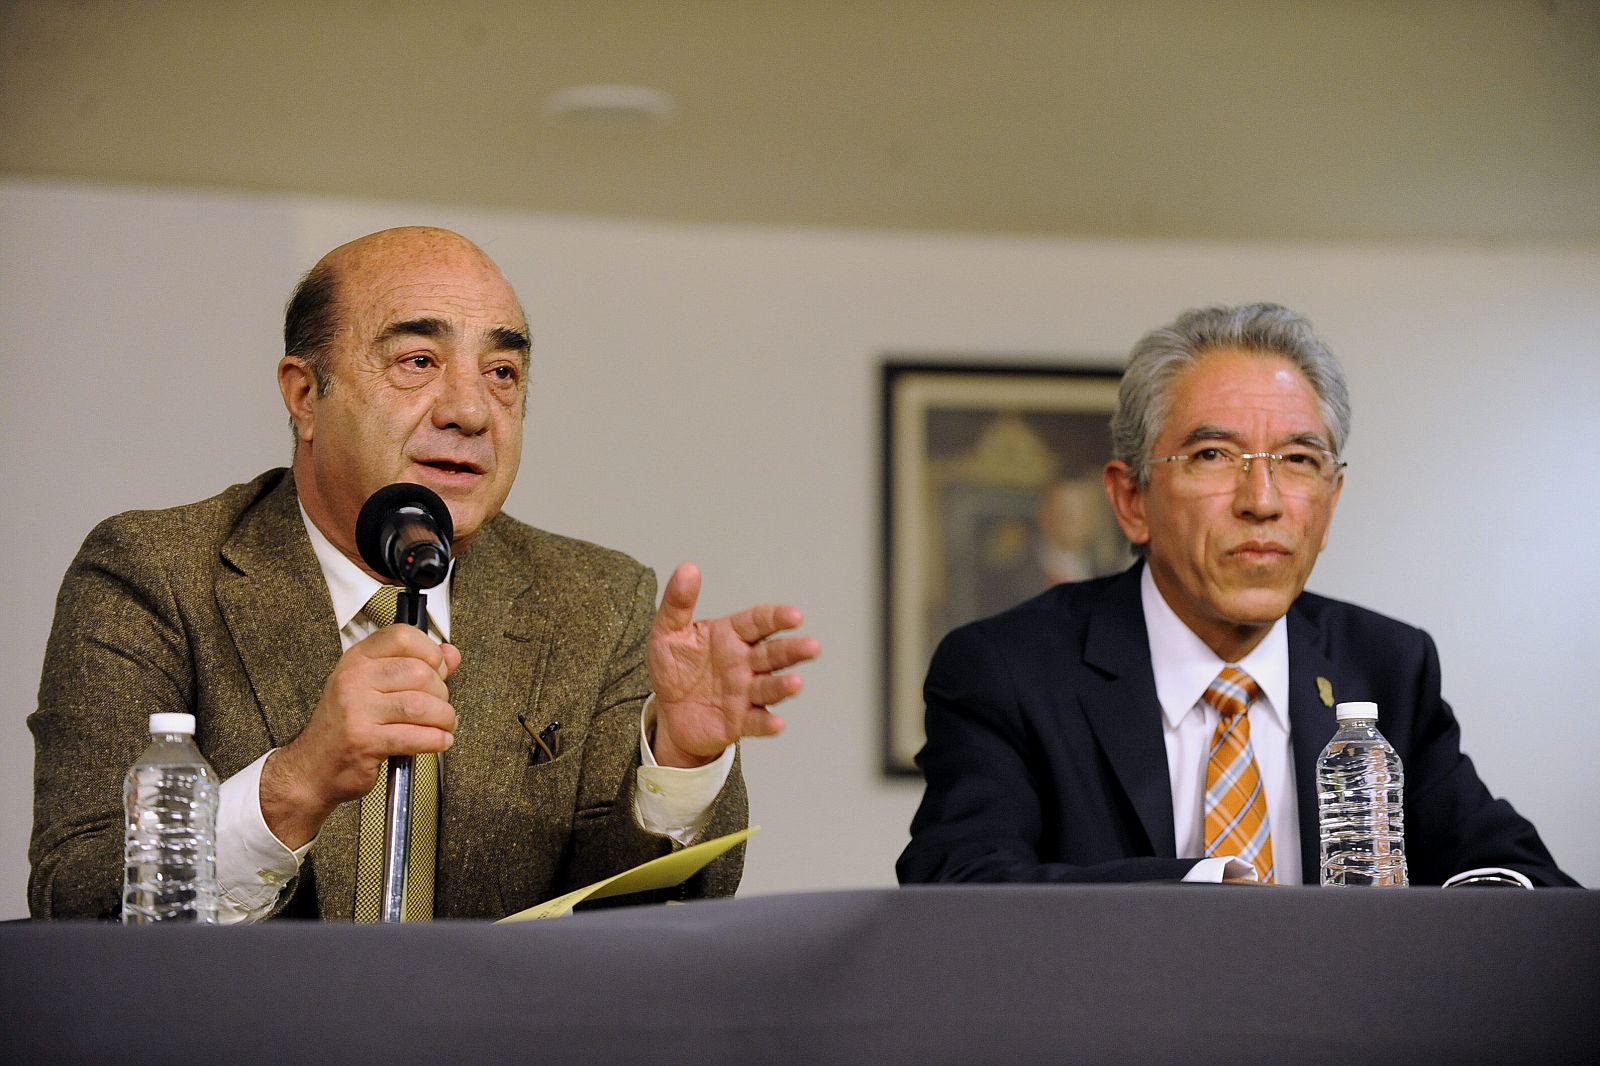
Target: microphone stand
411 607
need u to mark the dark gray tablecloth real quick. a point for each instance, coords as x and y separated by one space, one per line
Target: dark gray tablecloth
1003 974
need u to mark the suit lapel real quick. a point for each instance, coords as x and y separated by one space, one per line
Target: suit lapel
496 622
275 604
1124 711
276 607
1311 725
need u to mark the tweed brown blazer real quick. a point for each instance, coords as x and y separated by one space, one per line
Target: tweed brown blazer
218 608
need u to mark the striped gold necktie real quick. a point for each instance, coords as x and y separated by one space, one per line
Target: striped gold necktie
1236 804
416 905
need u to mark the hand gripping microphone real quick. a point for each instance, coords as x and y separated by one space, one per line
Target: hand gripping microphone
403 532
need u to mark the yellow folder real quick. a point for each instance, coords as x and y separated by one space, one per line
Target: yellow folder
664 872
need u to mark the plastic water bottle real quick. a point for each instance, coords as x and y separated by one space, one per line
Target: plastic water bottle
170 800
1360 797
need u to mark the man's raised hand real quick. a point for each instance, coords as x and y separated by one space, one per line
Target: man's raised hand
715 679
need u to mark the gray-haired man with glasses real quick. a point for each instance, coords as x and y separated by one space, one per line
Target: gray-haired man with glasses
1163 724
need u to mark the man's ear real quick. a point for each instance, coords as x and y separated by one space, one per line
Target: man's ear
1127 500
298 385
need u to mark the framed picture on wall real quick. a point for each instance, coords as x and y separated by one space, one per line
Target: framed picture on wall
992 493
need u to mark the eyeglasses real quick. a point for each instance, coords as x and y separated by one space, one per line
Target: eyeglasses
1301 471
546 743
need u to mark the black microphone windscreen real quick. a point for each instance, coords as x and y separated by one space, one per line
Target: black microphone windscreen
401 516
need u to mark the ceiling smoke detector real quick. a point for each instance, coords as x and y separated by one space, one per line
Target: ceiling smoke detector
609 103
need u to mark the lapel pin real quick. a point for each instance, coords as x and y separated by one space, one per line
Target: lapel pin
1325 690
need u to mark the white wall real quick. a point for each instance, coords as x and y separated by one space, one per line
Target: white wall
711 394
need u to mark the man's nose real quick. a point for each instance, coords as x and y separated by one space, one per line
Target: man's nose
463 400
1256 495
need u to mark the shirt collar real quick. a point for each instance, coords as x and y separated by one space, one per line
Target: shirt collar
1184 667
350 587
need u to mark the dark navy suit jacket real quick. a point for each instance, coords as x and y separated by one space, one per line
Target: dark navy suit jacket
1045 758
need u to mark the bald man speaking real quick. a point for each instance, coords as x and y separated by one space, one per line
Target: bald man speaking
579 730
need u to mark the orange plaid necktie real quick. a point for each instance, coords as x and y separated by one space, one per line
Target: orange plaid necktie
416 904
1236 804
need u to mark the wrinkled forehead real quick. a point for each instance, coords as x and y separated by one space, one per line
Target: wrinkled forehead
404 274
1234 390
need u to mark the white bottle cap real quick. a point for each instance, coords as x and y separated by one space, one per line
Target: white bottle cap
172 722
1347 711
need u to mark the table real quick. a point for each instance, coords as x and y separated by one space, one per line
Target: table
957 974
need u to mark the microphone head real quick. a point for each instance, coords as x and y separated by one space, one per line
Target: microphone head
404 533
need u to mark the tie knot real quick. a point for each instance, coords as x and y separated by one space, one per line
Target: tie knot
1232 692
381 607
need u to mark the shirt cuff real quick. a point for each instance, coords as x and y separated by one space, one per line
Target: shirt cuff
1489 875
1215 870
253 865
673 801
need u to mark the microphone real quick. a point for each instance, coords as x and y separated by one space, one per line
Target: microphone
403 533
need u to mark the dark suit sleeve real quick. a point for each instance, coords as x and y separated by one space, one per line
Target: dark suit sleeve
607 837
1453 823
115 656
991 810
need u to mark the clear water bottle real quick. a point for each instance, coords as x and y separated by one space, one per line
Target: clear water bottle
170 800
1360 797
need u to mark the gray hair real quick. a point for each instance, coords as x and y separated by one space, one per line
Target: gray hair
1145 396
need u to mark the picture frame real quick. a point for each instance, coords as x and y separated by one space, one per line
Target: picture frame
992 492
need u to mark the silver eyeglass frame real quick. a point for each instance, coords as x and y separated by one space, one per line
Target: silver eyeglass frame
1245 458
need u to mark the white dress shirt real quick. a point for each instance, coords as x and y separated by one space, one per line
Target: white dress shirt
1184 668
253 865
